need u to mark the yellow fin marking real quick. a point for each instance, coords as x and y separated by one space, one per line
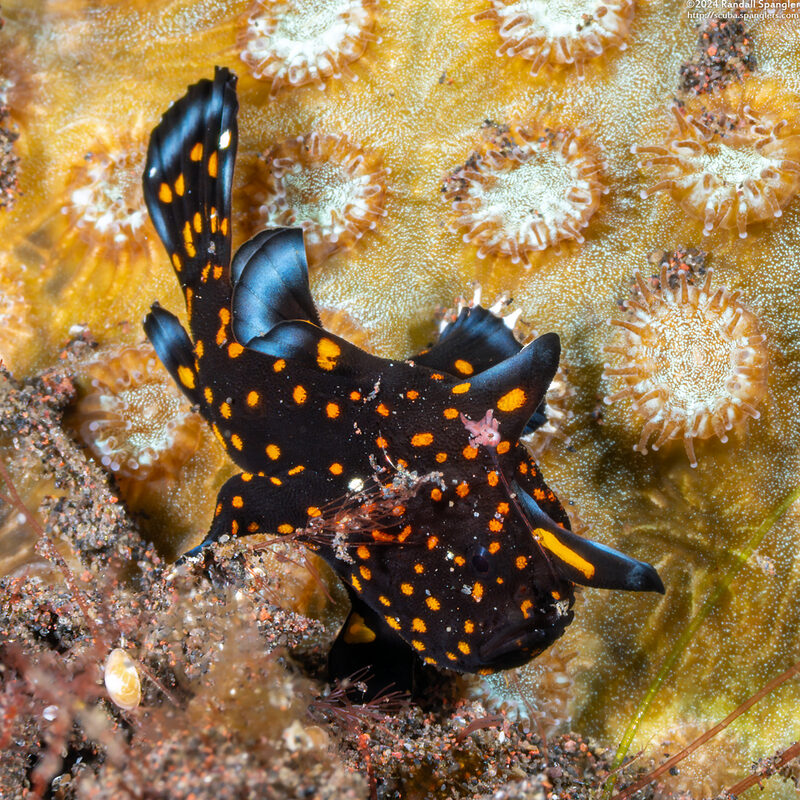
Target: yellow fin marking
563 552
357 631
186 376
513 400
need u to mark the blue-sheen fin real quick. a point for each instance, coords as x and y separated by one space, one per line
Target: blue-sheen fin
612 569
192 153
534 484
300 341
174 349
270 277
526 376
481 338
477 336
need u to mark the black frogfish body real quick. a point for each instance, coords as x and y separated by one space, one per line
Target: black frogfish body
407 477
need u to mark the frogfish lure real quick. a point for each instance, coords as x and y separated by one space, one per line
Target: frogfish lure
406 476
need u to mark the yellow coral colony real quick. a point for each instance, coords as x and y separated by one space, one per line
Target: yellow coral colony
693 362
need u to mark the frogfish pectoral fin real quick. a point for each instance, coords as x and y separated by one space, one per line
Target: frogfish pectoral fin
174 350
317 349
279 504
476 341
585 562
367 650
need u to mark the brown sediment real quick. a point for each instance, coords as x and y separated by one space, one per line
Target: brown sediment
687 260
9 160
724 54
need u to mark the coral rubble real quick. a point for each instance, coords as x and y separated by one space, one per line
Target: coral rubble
724 54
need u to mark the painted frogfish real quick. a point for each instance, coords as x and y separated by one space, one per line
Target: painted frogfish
406 476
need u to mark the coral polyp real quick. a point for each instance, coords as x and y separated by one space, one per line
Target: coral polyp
295 42
526 188
330 186
133 419
730 163
105 199
693 363
562 32
542 692
558 410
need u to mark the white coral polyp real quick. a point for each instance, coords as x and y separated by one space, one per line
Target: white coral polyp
516 200
295 42
107 196
331 187
731 171
693 363
560 31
